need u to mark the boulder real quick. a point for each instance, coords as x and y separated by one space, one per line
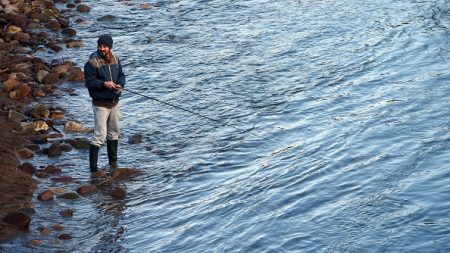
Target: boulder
124 173
35 126
40 111
45 196
52 169
54 150
76 74
24 153
53 24
118 193
87 189
19 219
22 37
12 83
50 79
83 8
41 74
66 213
56 114
75 127
27 168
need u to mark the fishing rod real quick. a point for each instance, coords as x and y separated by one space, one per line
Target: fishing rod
193 112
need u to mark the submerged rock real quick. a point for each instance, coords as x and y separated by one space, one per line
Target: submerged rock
118 193
87 189
124 173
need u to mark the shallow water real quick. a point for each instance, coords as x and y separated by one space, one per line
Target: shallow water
343 111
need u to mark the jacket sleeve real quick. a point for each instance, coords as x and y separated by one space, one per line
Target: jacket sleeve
121 76
90 76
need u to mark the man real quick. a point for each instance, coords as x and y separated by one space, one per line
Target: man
105 80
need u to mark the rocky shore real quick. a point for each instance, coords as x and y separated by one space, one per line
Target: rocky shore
28 123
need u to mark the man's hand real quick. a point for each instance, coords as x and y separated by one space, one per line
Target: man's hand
110 85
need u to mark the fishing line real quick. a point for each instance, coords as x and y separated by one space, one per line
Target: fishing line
195 113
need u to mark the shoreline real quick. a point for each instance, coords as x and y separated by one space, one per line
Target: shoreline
28 27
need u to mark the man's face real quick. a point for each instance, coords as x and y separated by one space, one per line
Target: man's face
103 50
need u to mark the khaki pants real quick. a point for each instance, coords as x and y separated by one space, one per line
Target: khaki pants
106 124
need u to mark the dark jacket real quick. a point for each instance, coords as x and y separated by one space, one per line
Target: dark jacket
97 71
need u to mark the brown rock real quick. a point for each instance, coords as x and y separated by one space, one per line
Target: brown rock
22 37
52 169
64 22
66 147
16 115
56 114
66 213
82 143
34 243
24 153
27 168
146 6
63 179
50 79
24 91
73 127
42 174
71 5
64 236
124 173
12 83
58 227
69 32
87 189
42 35
74 44
55 136
44 231
70 195
53 24
32 147
40 111
118 193
45 196
19 219
76 74
54 150
83 8
61 69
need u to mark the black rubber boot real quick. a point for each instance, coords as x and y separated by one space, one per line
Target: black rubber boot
112 151
93 157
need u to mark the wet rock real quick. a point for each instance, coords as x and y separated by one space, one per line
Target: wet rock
45 231
65 23
63 179
12 83
35 126
69 32
82 143
61 70
22 37
53 24
24 153
24 92
56 114
71 5
135 139
34 243
54 150
42 174
45 196
70 195
39 139
66 147
74 44
118 193
40 111
66 213
146 6
58 227
50 79
124 173
108 18
65 236
32 147
75 127
76 74
27 168
83 8
55 136
41 74
19 219
14 115
87 189
52 169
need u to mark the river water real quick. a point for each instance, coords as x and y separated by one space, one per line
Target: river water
337 136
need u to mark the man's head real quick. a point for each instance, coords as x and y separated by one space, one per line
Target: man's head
104 45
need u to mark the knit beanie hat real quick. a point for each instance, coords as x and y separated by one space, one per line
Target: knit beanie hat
105 40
